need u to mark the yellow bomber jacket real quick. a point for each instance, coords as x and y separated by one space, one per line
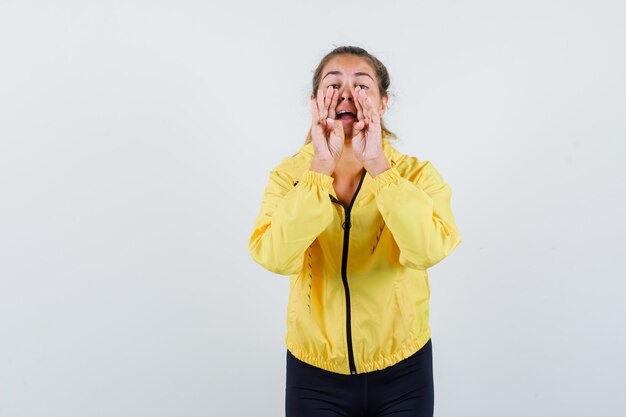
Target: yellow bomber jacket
359 293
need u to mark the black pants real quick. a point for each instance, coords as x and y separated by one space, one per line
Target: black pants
401 390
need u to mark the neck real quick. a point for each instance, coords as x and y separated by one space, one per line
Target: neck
348 167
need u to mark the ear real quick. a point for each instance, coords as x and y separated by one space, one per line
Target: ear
383 105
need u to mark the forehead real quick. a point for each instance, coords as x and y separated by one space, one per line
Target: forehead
348 64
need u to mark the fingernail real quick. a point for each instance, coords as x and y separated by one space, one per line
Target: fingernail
329 120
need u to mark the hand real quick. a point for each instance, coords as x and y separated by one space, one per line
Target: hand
326 132
367 141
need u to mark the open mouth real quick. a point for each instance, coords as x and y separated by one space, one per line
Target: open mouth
346 115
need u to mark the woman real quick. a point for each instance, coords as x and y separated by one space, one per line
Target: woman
355 224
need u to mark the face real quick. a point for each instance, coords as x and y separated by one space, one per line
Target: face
344 73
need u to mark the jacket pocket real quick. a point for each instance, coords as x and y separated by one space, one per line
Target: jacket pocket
379 233
403 300
308 280
294 302
301 292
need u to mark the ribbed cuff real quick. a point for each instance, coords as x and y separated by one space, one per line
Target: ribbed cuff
317 178
385 178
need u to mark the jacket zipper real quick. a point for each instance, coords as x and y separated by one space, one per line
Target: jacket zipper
344 263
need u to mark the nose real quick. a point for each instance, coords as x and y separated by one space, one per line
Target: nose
345 91
346 94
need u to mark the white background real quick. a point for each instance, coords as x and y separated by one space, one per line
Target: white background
136 138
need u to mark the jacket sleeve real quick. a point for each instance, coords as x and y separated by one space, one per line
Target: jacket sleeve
290 219
418 214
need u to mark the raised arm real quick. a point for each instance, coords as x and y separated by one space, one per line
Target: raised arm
290 219
418 214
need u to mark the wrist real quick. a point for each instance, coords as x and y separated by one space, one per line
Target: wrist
377 166
323 167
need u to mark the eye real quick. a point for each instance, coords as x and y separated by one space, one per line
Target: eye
335 86
364 87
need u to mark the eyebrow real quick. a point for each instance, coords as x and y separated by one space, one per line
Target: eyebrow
356 74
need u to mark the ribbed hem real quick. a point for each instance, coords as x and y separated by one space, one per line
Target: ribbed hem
317 178
385 178
411 346
316 361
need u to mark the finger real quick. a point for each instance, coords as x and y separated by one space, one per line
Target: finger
315 114
372 113
321 109
362 111
333 104
365 102
357 127
336 126
357 102
316 122
330 91
320 104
